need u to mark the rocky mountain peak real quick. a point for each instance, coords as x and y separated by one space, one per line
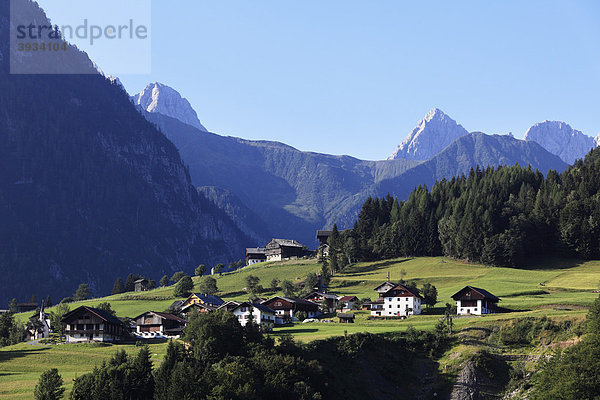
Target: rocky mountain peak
162 99
561 139
431 135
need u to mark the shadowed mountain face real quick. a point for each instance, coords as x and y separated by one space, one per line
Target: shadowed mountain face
89 190
294 192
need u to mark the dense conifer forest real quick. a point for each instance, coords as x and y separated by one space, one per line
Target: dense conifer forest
503 216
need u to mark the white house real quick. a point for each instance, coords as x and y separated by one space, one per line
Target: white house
475 301
261 315
400 301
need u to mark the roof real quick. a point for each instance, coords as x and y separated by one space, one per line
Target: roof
323 233
164 316
141 280
400 286
210 307
108 317
255 250
348 298
261 307
286 242
176 304
298 301
482 292
345 315
384 283
325 295
208 298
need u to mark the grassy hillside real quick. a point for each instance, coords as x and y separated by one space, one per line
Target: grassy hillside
555 288
21 365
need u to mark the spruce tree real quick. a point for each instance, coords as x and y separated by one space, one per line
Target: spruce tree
50 386
118 287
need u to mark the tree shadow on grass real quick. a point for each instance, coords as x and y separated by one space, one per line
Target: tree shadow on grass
297 330
372 268
542 263
6 356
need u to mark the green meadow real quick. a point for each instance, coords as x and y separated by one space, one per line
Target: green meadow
554 288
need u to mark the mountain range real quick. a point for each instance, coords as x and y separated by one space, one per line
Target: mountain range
295 192
96 184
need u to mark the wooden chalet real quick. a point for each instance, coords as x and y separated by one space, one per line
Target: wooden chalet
164 324
202 299
284 306
141 285
87 324
26 307
323 238
283 249
346 318
255 255
475 301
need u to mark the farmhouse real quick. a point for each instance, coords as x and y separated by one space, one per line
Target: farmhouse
376 307
285 307
476 301
87 324
323 237
141 285
283 249
161 323
384 288
398 301
259 313
328 300
25 307
255 255
347 302
202 299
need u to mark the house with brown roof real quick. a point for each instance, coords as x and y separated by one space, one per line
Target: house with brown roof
475 301
283 249
88 324
398 301
164 324
328 300
286 307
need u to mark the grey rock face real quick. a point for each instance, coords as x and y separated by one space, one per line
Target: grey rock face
162 99
431 135
561 139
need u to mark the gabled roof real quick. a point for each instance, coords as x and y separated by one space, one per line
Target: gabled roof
255 250
384 283
261 307
200 305
323 233
108 317
324 295
164 316
290 300
141 280
348 298
482 292
286 242
207 298
400 286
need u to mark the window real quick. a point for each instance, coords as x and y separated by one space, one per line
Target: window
244 309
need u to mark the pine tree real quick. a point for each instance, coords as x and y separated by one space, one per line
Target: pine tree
50 386
118 287
83 292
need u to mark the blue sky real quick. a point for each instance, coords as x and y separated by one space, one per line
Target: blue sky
354 77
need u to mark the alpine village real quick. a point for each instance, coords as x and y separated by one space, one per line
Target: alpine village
145 257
